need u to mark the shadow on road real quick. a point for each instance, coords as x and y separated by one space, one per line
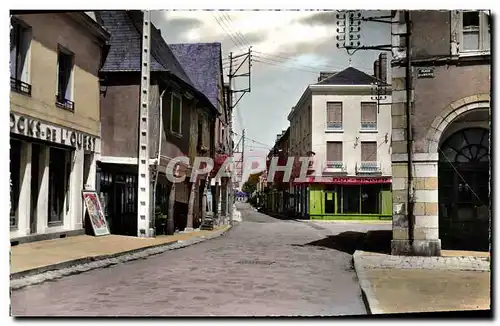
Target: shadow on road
350 241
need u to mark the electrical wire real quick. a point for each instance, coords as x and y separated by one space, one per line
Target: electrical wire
237 33
238 45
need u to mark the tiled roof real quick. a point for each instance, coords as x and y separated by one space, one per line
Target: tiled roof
201 62
349 76
125 45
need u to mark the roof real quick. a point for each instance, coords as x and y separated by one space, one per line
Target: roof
349 76
125 45
201 62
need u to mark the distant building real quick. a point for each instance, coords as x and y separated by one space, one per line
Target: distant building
344 123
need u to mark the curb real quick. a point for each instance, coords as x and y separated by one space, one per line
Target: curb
369 298
77 266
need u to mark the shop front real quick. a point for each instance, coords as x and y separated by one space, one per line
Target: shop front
350 198
50 165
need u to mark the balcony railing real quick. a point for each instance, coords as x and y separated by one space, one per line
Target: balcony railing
369 125
368 167
19 86
335 165
65 104
334 125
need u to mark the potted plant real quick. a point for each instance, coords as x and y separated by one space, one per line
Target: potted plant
160 222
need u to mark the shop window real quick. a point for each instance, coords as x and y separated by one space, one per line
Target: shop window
15 180
20 40
58 185
350 200
370 199
64 97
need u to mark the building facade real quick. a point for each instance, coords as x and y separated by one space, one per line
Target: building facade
344 124
54 121
442 95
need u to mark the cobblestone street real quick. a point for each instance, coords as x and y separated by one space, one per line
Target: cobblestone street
259 268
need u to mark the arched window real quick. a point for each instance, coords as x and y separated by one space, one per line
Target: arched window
466 146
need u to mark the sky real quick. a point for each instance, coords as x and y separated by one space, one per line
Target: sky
289 49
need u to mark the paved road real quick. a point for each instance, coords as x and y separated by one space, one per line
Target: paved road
259 268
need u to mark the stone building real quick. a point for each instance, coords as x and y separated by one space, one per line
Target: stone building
54 121
442 95
343 121
174 111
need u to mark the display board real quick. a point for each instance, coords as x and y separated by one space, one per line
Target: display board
96 215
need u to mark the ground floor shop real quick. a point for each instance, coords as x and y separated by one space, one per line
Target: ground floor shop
337 201
50 165
117 189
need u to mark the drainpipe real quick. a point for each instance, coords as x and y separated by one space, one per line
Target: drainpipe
411 217
158 152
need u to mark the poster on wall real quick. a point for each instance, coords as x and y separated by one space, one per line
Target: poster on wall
95 212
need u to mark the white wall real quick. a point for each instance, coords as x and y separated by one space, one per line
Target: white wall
351 130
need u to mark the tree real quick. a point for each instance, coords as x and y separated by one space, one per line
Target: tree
251 184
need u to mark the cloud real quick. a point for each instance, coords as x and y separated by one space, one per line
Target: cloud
322 18
186 23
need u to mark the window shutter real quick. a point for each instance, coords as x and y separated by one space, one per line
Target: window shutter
13 49
369 151
334 152
369 112
334 111
25 40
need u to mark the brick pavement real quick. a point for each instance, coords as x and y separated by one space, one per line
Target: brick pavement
261 267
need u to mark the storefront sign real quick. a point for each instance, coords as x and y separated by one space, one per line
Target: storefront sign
34 128
425 73
348 180
95 213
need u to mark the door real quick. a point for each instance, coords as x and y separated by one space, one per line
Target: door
329 201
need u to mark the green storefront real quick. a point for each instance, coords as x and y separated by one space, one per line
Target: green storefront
351 199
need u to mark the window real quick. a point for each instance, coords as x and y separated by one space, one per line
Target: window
58 185
350 199
334 154
15 180
334 115
20 40
369 151
476 31
368 116
64 97
176 114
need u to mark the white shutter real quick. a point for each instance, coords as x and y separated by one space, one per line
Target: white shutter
13 49
24 60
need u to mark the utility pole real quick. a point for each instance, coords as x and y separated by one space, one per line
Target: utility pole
232 104
144 216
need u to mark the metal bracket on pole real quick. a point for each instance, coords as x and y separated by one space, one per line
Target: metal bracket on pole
144 217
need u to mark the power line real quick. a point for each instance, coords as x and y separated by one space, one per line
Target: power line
232 38
285 66
237 33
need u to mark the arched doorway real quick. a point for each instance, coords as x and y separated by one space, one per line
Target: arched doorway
464 190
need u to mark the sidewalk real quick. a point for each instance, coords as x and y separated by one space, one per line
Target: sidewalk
30 260
401 284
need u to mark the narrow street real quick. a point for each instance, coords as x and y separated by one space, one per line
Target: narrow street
262 267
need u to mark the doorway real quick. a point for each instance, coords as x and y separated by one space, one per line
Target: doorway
464 198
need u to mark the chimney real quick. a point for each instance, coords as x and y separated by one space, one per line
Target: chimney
376 69
325 74
383 67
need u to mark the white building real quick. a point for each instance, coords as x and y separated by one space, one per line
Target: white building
344 122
